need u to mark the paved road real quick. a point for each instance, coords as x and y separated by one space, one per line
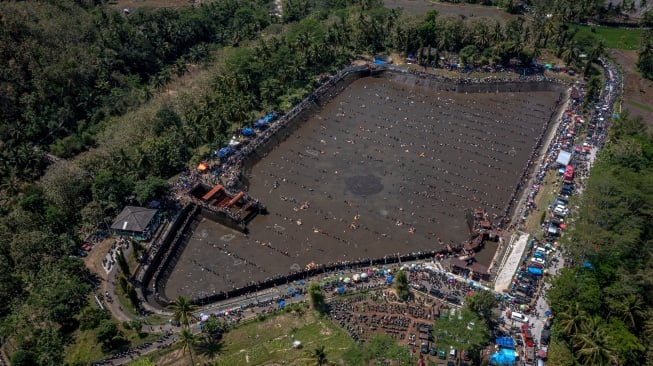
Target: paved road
511 261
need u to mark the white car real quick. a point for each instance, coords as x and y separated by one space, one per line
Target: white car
561 210
538 260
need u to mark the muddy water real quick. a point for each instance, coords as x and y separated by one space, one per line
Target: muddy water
384 168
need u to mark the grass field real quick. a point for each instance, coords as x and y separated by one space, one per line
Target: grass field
270 341
640 106
543 199
619 38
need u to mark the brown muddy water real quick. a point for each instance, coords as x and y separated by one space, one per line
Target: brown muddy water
384 168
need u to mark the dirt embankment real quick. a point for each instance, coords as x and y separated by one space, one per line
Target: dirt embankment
638 92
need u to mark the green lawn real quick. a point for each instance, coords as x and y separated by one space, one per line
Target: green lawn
620 38
640 105
270 341
84 349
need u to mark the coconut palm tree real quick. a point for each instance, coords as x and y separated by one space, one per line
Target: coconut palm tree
188 340
320 356
183 311
592 344
570 320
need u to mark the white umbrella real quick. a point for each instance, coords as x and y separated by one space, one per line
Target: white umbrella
204 318
347 280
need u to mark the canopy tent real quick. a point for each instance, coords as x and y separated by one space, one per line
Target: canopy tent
388 279
260 123
564 157
234 142
247 132
535 271
201 167
505 342
503 357
225 151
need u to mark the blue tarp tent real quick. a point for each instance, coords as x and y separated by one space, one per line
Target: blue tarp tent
269 117
503 357
535 271
282 303
248 132
539 254
341 289
505 342
260 123
388 279
224 152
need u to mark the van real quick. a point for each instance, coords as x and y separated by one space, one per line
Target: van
519 317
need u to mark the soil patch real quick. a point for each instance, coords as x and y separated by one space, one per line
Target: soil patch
418 7
638 92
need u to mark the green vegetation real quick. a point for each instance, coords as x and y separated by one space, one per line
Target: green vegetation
401 285
271 340
83 82
612 37
316 294
602 305
645 56
641 106
461 330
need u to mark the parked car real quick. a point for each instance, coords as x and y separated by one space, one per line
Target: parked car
86 247
436 292
453 299
538 260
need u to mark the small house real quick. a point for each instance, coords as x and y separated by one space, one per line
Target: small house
136 222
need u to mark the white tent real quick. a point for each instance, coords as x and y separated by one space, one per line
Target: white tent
564 157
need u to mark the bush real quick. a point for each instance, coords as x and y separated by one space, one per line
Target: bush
91 317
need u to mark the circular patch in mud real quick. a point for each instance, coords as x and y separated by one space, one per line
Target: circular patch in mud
364 185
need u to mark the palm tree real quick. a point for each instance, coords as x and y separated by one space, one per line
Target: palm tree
188 341
183 309
320 356
592 344
209 347
571 319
